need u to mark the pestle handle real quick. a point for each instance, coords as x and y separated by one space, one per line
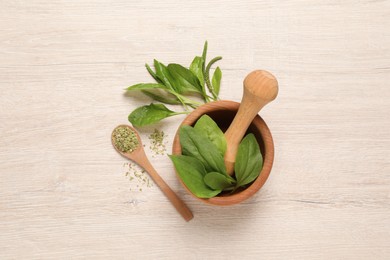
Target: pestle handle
260 88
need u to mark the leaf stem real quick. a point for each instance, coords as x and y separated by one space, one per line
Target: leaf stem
234 189
184 100
182 113
190 102
206 97
179 97
207 77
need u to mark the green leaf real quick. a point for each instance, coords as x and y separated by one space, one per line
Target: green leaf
156 91
152 73
197 69
163 74
162 96
152 90
183 80
143 86
218 181
216 81
150 114
196 145
249 161
210 129
191 172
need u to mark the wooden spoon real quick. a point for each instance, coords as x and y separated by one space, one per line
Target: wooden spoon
260 88
139 156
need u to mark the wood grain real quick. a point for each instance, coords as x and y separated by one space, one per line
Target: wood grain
63 189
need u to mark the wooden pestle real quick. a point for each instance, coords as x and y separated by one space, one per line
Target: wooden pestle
260 88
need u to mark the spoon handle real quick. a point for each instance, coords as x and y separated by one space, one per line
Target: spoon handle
180 206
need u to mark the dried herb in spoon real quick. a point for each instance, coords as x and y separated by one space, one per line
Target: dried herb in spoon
125 139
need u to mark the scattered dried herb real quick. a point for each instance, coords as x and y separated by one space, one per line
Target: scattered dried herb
137 176
157 142
125 139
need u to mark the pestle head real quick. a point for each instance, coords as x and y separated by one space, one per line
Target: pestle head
261 84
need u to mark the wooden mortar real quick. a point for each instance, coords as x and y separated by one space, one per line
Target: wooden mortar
223 112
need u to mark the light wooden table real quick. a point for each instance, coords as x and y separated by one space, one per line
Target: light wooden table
63 189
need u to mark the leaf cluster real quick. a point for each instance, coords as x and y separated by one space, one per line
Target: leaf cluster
201 166
176 85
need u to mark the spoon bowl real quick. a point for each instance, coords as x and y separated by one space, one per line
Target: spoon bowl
138 154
